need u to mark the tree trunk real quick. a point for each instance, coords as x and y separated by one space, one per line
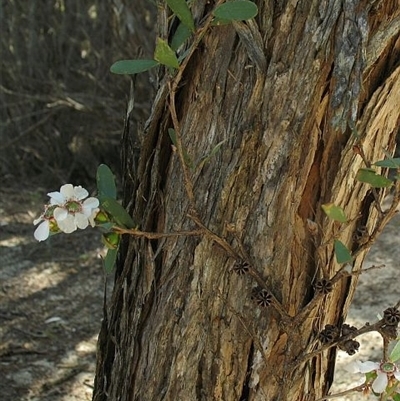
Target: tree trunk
295 95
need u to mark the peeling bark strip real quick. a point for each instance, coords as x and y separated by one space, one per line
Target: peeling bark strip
181 325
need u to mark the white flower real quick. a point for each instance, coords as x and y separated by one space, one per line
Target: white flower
73 210
384 371
67 211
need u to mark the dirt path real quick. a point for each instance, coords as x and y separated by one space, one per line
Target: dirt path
51 298
50 307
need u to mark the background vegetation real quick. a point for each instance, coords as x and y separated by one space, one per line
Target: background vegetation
61 110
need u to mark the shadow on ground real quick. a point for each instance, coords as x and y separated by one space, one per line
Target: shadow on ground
51 297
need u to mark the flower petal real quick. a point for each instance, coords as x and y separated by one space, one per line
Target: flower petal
380 383
81 221
67 225
91 203
396 374
68 191
80 193
42 231
88 211
56 198
368 366
93 216
60 214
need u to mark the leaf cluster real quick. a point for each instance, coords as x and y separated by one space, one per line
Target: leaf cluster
165 53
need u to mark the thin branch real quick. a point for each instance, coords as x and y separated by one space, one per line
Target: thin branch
383 221
365 329
173 87
356 333
186 175
251 270
196 41
359 388
151 235
397 306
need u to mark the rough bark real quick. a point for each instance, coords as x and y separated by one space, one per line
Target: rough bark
181 325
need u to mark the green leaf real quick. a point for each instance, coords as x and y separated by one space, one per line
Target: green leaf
334 212
165 55
238 10
188 159
110 259
370 177
395 354
117 212
105 227
106 187
181 35
389 163
131 67
182 11
205 159
342 253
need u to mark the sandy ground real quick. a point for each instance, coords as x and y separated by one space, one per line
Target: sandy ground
51 298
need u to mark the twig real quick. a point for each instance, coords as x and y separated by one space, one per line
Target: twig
186 175
365 329
397 305
359 388
383 221
151 235
251 270
173 87
216 238
196 41
385 348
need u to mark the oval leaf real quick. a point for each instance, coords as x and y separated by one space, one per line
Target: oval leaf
395 354
334 212
106 187
110 259
342 253
239 10
117 212
131 67
181 35
370 177
182 11
105 227
389 163
165 55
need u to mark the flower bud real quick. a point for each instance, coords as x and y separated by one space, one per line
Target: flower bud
101 217
111 240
